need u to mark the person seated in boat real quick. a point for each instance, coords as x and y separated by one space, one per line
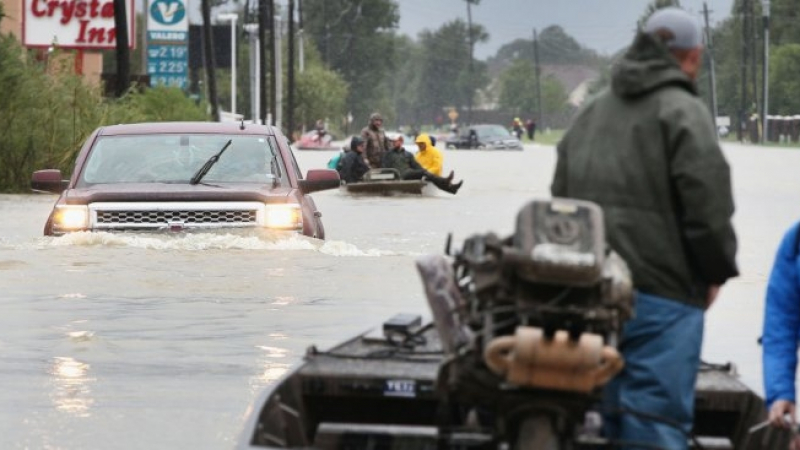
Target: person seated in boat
351 166
401 160
428 156
779 337
321 131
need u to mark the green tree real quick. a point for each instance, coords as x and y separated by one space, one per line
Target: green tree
518 88
784 17
354 38
321 94
403 82
445 79
784 82
558 47
555 47
518 91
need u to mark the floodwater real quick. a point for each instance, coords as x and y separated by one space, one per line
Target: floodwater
162 342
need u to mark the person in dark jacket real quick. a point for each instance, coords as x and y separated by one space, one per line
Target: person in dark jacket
377 142
351 166
646 151
530 127
400 159
781 328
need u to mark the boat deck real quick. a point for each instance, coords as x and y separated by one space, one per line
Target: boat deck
369 386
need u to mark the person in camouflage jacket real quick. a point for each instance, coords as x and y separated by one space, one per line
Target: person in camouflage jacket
377 142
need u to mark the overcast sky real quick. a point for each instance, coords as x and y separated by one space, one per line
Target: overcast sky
602 25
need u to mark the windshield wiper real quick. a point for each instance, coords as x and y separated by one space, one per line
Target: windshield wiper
207 166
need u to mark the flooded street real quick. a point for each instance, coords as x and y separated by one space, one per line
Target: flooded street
151 342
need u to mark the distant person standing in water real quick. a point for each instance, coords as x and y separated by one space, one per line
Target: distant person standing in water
530 127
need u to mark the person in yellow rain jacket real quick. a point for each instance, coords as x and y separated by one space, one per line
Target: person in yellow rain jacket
428 156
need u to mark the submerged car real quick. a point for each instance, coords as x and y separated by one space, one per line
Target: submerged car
173 176
491 137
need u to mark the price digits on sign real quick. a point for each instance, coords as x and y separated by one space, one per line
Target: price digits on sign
171 67
170 51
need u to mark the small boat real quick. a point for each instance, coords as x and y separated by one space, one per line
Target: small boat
376 391
385 182
314 140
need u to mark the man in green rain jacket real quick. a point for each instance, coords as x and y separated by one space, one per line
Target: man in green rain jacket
646 151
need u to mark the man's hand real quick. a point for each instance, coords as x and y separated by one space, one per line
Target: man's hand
711 295
778 410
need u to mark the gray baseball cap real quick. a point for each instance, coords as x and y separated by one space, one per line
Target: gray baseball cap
684 28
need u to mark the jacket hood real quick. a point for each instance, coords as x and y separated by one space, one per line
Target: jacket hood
647 66
423 138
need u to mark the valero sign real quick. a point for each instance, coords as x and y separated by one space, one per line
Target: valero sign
167 42
74 24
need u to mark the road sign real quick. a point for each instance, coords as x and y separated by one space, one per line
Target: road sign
167 42
453 115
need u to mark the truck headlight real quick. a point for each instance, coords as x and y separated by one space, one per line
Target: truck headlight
288 216
71 218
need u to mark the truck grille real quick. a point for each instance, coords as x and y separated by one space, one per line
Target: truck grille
158 215
187 217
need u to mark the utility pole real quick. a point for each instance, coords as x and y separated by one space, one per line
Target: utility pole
537 70
754 60
263 25
123 54
300 47
278 72
290 74
255 85
713 76
765 110
471 71
742 119
271 44
208 56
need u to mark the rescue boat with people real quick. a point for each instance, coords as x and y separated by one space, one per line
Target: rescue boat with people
316 140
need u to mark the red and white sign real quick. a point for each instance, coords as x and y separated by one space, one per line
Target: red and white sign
74 24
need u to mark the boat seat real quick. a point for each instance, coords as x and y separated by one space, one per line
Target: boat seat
385 174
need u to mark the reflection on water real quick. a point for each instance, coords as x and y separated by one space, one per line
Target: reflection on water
271 368
283 301
72 393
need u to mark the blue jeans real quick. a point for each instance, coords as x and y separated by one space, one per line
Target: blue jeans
661 347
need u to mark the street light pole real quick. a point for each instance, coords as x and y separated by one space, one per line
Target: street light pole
255 80
765 75
232 18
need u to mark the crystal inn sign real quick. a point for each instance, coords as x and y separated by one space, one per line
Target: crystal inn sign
74 24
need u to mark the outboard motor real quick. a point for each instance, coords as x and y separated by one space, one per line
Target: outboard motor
530 324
